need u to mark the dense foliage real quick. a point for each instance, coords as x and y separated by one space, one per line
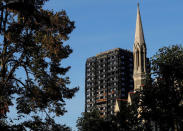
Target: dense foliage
31 52
92 121
161 100
121 121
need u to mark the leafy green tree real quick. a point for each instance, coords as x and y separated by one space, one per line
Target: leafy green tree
31 54
161 100
127 119
92 121
48 125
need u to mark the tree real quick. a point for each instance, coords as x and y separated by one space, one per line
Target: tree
92 121
32 43
126 119
161 100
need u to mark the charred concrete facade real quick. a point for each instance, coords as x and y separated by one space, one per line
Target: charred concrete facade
109 77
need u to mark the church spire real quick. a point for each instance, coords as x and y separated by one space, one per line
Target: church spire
139 35
139 55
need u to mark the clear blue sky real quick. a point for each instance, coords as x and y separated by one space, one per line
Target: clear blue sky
107 24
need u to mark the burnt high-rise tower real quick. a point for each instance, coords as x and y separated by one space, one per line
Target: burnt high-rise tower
109 77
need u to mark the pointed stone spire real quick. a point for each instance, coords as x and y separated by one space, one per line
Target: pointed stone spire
139 35
139 55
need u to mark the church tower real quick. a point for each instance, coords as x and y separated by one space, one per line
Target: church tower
139 55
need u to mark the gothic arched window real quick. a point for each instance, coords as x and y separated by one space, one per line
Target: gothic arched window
137 59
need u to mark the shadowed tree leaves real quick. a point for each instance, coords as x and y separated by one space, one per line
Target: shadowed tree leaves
161 100
92 121
36 124
31 54
122 121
